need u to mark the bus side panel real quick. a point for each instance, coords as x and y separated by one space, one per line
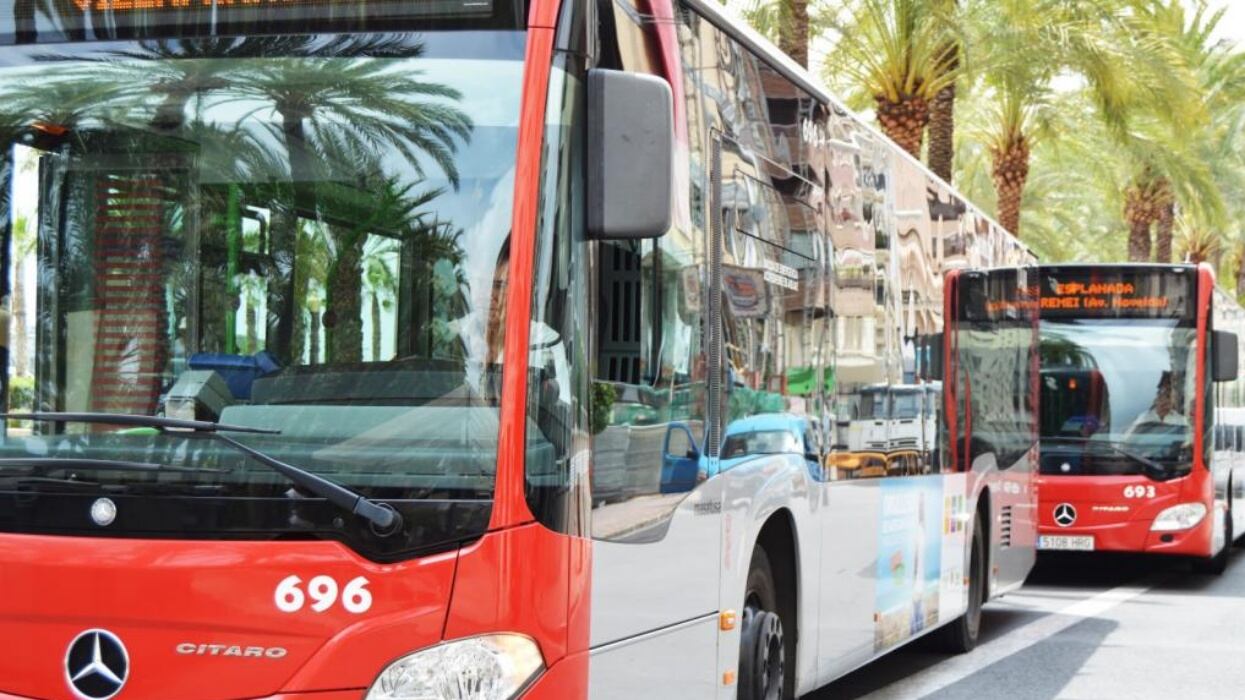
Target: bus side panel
1013 521
848 563
677 662
881 540
652 575
754 493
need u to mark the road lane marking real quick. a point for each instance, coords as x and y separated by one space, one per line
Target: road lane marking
957 668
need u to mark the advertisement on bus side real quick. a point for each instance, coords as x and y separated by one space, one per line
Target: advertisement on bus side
956 519
910 542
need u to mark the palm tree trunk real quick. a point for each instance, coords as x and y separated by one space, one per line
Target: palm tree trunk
904 121
1163 233
942 132
1240 273
302 281
20 341
24 22
1141 208
314 343
793 35
1139 240
1010 171
343 316
375 326
252 333
283 305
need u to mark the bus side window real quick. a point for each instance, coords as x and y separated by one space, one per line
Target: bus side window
648 397
648 387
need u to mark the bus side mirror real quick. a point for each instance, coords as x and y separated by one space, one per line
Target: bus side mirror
1225 360
630 155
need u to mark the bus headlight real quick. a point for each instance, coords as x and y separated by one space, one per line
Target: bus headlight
1181 517
490 667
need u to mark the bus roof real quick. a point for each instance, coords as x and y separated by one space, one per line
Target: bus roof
739 30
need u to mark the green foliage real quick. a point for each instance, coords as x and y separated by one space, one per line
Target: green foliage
891 49
21 394
603 397
1104 93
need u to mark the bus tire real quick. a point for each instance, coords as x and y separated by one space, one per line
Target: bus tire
762 657
1216 565
960 636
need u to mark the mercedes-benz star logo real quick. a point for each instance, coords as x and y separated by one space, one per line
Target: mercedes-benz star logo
1065 514
96 665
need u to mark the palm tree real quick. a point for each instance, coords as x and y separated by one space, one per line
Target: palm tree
24 240
1239 270
1026 46
900 53
314 258
1176 158
1145 202
382 283
393 203
333 100
941 149
787 22
336 107
1199 243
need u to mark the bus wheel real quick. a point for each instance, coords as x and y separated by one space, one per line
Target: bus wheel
1216 565
762 660
960 636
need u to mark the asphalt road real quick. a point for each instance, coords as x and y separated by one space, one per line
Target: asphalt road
1085 628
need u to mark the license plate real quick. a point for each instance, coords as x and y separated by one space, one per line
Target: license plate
1072 543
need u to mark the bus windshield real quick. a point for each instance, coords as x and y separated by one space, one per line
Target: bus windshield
1117 396
301 233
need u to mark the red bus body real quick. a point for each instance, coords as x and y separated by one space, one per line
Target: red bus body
518 578
1118 511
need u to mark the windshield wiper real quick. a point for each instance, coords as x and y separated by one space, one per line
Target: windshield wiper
383 517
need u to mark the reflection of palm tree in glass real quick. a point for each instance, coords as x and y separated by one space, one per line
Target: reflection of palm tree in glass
333 104
314 256
65 14
66 102
331 110
381 277
433 242
23 248
251 288
1063 352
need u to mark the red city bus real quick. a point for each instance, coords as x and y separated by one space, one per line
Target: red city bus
1139 363
385 350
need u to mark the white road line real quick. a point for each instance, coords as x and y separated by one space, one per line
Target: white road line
957 668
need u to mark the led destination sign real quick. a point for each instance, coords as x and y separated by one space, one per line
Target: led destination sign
1093 292
1002 297
412 8
86 20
